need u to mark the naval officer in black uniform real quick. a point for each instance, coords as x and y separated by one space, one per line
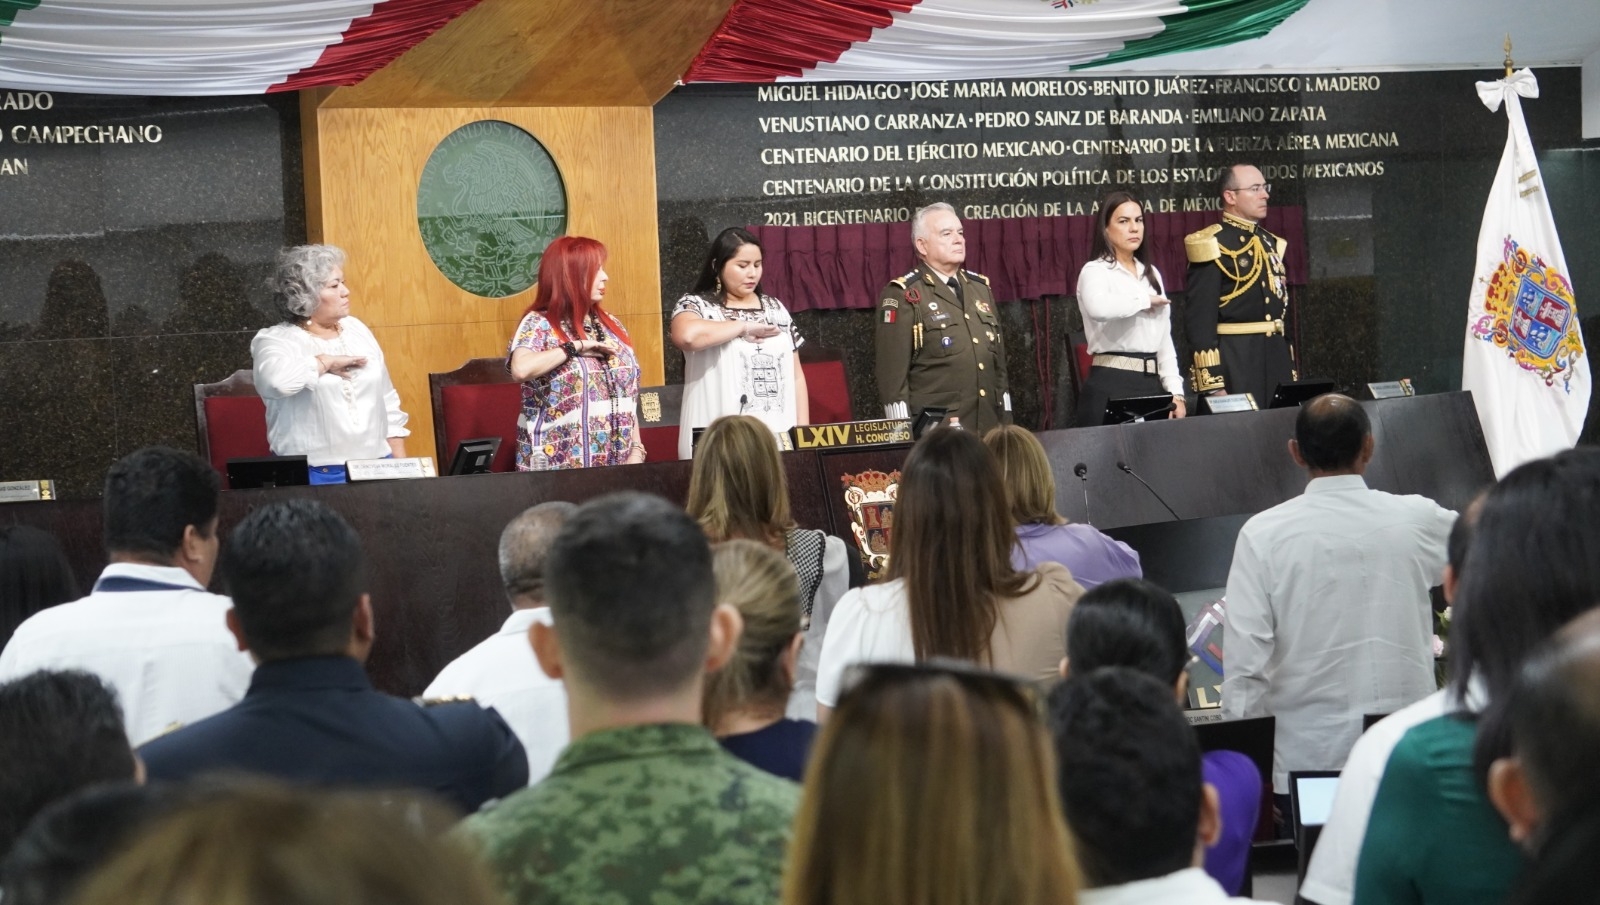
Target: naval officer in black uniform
1237 295
301 608
938 334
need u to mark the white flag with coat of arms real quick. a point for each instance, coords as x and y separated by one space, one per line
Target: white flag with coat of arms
1524 357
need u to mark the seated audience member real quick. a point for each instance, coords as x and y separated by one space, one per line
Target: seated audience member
501 672
745 699
71 838
1544 780
270 845
1533 565
59 732
34 575
301 608
931 784
738 490
952 590
1042 534
643 806
1135 623
1328 614
148 627
1331 877
1139 810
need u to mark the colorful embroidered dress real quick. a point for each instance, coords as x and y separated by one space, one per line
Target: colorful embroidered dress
580 414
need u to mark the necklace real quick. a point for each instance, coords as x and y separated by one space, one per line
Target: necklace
615 444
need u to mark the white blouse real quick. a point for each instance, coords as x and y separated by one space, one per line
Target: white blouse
1118 317
325 418
741 376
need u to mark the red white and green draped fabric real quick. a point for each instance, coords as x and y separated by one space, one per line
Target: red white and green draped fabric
918 40
207 47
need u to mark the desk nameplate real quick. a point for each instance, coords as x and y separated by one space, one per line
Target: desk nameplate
851 433
390 469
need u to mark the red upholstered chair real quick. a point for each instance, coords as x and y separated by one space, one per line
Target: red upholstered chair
659 411
230 421
478 399
826 385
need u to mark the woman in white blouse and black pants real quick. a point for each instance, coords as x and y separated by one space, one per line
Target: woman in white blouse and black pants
320 372
1127 319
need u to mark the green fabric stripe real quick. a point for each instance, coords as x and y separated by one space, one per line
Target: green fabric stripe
10 8
1206 23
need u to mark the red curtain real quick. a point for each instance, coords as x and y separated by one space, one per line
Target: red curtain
834 267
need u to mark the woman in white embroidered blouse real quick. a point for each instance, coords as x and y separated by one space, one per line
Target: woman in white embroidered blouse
740 348
320 372
1127 319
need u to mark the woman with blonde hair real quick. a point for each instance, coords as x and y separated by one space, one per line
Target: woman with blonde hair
269 844
1042 534
745 700
952 589
872 830
738 490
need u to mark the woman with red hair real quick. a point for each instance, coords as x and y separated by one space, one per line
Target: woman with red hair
579 374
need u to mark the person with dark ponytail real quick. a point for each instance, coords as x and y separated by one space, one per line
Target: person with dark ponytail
741 349
1127 319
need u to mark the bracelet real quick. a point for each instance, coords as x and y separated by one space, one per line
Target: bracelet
570 348
643 453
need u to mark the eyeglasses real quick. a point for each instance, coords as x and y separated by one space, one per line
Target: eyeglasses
1260 188
864 678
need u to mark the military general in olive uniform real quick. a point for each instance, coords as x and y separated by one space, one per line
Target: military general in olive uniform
938 335
1237 295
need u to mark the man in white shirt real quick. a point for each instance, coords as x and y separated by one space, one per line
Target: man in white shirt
502 671
1328 615
149 627
1331 877
1132 790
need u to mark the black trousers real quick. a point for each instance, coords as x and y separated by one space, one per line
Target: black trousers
1106 384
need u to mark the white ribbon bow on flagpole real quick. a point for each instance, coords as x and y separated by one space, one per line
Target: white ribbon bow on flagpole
1518 85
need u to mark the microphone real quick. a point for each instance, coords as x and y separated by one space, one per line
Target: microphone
1123 466
1082 471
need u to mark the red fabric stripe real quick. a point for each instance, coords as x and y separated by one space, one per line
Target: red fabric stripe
374 41
760 40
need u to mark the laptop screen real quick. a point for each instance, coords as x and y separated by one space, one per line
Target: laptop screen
1316 798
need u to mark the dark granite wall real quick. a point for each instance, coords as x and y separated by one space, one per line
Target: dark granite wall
1391 255
131 271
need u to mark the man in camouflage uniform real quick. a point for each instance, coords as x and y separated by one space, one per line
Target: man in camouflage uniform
938 334
1237 296
644 806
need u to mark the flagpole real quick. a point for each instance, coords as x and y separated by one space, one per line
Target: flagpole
1509 65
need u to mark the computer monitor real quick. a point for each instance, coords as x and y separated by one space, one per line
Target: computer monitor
1138 408
474 456
1310 801
268 471
1295 392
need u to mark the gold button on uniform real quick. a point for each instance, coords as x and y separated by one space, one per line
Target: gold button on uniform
983 392
974 340
980 365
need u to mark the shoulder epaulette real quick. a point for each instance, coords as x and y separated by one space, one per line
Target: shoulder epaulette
1201 245
901 281
979 277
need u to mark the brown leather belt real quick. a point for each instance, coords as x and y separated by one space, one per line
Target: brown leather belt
1269 328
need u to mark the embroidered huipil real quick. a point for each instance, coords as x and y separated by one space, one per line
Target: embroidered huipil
580 414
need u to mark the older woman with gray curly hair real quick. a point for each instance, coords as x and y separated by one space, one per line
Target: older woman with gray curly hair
321 373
